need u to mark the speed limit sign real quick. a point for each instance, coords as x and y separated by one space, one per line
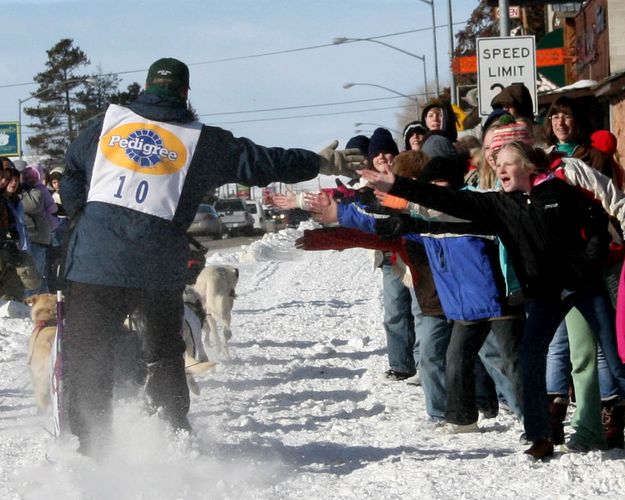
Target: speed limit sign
502 61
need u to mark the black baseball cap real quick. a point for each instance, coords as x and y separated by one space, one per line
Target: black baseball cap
169 73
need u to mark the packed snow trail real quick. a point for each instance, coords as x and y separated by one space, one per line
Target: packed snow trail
300 411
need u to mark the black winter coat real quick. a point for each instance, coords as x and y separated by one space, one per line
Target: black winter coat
556 238
116 246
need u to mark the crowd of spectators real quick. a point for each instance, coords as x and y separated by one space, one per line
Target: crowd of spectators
499 251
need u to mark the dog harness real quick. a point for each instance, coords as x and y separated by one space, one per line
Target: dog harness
40 325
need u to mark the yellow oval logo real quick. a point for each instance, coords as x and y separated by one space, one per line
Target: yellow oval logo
145 148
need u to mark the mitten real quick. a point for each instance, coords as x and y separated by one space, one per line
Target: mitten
365 196
340 162
394 226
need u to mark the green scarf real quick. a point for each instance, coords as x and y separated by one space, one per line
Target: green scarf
165 93
567 147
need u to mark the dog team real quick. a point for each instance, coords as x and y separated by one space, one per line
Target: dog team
208 306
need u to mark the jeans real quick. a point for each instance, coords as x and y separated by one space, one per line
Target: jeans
501 357
54 256
434 333
609 385
416 315
466 340
544 314
559 363
464 396
559 368
398 322
485 390
39 254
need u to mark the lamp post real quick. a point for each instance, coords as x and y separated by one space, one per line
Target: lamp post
353 84
41 92
431 4
340 40
359 124
413 99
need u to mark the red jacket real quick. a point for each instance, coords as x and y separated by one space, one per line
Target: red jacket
413 254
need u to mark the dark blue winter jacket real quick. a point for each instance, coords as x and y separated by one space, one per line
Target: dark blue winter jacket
465 268
117 246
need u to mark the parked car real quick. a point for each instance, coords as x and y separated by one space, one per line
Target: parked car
275 220
297 215
258 214
235 216
206 222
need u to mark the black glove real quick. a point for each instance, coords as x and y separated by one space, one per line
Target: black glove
394 226
365 196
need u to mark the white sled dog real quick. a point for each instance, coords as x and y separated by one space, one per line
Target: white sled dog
216 287
43 314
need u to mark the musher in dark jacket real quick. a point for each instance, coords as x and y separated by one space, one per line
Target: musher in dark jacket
133 182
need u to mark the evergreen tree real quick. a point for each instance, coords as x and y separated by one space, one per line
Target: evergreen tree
481 23
56 111
124 97
97 92
100 91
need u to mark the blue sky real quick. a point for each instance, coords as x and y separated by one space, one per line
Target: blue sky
122 36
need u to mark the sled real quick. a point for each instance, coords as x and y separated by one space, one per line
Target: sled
56 366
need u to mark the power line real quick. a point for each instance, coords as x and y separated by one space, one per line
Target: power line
303 106
311 115
251 56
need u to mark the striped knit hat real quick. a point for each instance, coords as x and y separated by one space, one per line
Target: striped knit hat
511 132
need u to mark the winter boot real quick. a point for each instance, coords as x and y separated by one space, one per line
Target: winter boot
612 421
557 413
167 391
542 448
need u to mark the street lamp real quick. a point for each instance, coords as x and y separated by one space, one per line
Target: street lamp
431 4
342 39
41 92
359 124
352 84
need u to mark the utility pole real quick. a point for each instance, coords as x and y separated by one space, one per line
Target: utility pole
452 84
431 4
504 18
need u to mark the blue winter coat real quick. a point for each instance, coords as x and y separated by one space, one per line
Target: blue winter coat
116 246
465 268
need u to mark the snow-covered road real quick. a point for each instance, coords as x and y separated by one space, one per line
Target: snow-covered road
301 411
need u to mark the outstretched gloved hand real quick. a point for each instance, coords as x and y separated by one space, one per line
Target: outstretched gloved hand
340 162
394 226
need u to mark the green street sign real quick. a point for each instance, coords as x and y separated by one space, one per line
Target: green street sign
9 139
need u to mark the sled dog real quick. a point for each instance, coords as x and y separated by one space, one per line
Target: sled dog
43 314
216 287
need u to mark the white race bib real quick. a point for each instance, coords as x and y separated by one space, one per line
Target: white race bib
142 164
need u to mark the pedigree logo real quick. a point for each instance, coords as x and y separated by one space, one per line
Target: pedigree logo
145 148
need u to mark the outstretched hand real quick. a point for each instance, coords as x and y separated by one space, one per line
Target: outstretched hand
346 162
284 201
322 207
393 227
378 180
